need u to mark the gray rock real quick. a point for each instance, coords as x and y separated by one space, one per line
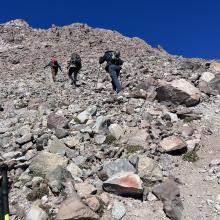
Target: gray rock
74 170
42 141
45 163
149 170
187 131
24 139
215 162
61 133
100 139
86 115
116 131
179 92
118 210
207 76
111 168
168 192
36 213
215 84
101 125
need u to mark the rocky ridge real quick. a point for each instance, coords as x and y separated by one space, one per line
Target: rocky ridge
86 153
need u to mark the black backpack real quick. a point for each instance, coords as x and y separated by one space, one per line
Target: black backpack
75 59
110 56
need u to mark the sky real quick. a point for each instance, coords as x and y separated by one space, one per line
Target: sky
182 27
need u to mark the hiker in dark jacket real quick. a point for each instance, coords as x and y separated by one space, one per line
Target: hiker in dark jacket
74 65
54 65
113 67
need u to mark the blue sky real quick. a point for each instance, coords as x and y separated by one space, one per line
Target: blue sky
183 27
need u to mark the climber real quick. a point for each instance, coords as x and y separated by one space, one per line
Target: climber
113 67
74 66
54 65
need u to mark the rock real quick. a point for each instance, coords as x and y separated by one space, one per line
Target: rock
57 121
187 131
173 143
179 92
93 203
61 133
42 141
24 139
36 213
74 170
192 144
124 184
207 76
214 163
136 137
86 115
111 168
149 170
101 125
215 84
11 155
73 208
72 142
100 139
85 189
204 87
151 197
116 131
105 198
45 162
168 192
118 210
57 147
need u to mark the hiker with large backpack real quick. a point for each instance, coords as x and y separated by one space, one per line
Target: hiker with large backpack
113 67
54 65
74 65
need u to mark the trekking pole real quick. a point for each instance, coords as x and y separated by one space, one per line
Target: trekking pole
1 203
4 187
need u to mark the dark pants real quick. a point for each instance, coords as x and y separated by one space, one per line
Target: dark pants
54 72
72 73
114 72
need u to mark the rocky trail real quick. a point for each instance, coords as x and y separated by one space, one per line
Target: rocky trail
150 152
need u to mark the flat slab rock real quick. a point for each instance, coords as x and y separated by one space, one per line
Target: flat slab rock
73 209
173 143
124 184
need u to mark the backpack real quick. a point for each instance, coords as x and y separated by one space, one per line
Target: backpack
54 63
75 59
110 55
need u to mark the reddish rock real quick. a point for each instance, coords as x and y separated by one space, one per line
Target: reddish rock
57 121
93 203
85 189
124 184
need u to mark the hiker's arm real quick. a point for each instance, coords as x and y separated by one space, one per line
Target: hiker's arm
47 65
120 61
101 60
59 67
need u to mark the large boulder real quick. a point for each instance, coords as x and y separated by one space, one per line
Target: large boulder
173 143
215 84
169 193
124 184
179 92
207 76
45 163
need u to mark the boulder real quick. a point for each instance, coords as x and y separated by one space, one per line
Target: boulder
215 84
173 143
72 208
168 192
84 116
148 170
101 125
36 213
179 92
116 131
207 76
124 184
111 168
57 121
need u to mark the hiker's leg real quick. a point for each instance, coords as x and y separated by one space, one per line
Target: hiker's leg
115 82
70 72
53 74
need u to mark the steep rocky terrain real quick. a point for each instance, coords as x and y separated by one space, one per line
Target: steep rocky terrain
150 152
